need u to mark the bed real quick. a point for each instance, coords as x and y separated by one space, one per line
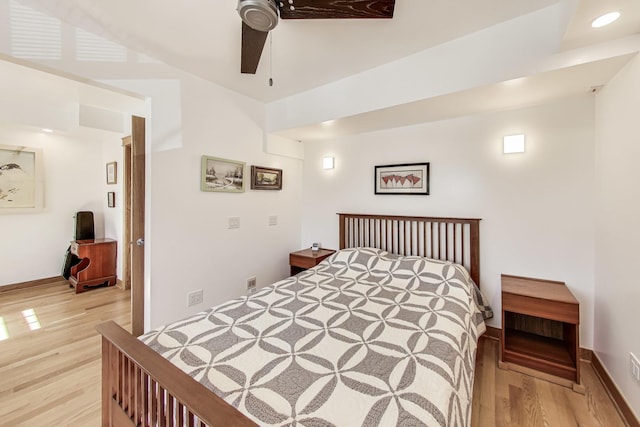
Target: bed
383 332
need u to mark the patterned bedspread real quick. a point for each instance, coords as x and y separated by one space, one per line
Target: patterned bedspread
365 338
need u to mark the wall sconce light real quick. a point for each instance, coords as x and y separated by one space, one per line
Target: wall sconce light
328 163
513 144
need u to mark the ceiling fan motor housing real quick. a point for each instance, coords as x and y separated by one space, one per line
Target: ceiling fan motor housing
261 15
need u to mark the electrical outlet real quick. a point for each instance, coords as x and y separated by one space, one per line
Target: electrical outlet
635 367
273 220
195 298
251 284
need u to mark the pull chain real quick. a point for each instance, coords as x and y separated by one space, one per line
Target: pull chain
270 58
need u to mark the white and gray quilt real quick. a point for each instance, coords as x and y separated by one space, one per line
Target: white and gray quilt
366 338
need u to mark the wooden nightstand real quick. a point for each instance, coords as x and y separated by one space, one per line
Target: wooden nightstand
540 330
306 258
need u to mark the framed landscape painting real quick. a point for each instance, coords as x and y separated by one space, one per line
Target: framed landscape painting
266 178
409 178
222 175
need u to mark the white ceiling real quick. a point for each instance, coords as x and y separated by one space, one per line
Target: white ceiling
522 92
579 33
34 99
202 37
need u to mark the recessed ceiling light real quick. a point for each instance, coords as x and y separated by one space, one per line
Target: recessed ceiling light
605 19
47 130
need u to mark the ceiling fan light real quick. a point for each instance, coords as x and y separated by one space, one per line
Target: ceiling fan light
261 15
605 19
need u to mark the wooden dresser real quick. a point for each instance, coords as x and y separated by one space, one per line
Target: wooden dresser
540 330
97 264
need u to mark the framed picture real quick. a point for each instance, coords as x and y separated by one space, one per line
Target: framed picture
111 199
410 178
222 175
112 173
266 178
20 179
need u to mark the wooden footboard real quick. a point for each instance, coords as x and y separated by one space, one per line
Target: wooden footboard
142 388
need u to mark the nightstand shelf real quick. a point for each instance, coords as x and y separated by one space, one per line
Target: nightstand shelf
548 354
540 330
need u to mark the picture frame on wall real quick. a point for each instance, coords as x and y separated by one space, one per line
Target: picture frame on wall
408 178
112 173
221 175
111 199
21 186
266 178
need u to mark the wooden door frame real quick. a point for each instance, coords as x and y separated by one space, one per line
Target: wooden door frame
138 142
126 212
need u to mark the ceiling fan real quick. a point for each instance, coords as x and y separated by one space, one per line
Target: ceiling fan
261 16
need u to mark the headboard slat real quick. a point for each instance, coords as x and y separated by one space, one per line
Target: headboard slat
402 235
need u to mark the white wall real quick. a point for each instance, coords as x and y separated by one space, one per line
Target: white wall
113 217
74 180
536 207
189 244
617 292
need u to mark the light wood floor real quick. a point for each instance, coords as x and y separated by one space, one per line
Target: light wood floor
51 376
507 398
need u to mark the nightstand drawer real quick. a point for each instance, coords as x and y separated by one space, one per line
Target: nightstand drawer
554 310
302 261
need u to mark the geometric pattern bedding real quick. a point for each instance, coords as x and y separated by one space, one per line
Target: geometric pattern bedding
365 338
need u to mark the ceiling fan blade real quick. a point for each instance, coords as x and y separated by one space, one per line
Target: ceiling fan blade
337 9
252 44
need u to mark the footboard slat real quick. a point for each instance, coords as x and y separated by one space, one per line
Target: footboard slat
162 419
180 415
170 407
137 396
118 376
128 396
142 388
152 402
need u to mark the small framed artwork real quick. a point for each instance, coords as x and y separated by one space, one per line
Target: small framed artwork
222 175
111 199
409 178
266 178
112 173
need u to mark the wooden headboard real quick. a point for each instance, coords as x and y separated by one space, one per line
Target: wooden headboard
451 239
